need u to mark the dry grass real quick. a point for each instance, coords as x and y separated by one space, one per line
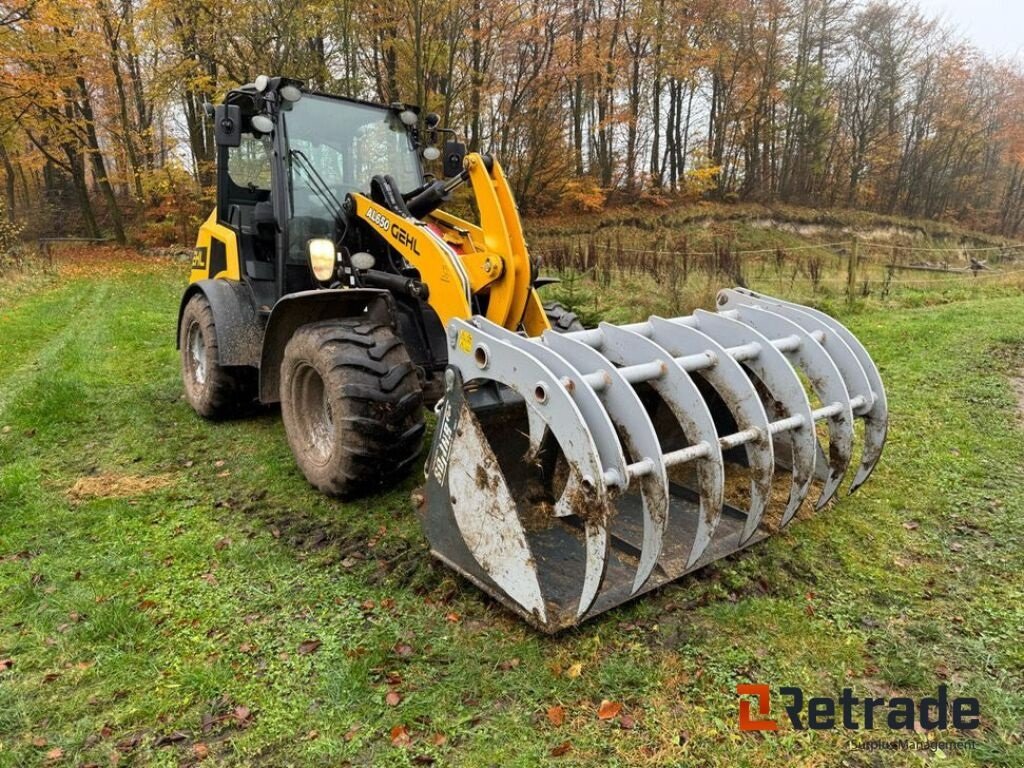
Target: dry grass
116 486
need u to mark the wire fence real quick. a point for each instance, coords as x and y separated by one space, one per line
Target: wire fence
857 267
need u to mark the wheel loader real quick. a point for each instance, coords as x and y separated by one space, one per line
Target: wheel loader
571 469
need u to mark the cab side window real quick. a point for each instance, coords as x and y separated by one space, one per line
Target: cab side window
249 164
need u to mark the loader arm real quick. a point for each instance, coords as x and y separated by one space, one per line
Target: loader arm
458 260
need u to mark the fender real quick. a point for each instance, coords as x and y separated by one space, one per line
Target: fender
239 329
297 309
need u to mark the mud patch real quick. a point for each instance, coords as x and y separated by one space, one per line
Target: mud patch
1018 389
116 486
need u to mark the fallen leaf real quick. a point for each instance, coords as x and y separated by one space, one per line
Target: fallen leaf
39 742
222 544
439 740
575 670
368 605
171 738
242 715
6 664
556 715
627 723
49 677
246 648
400 736
312 735
508 664
956 546
608 710
129 743
218 463
910 525
309 646
453 618
403 649
564 748
393 699
351 732
424 760
55 754
201 751
275 532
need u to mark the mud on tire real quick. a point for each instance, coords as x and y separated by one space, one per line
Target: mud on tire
351 405
562 319
214 391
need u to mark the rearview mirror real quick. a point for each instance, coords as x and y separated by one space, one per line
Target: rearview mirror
454 156
227 125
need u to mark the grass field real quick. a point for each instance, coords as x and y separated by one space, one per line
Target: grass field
171 591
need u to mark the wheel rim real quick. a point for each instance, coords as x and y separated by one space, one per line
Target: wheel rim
313 414
197 353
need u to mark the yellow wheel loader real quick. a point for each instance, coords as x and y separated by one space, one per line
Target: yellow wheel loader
571 469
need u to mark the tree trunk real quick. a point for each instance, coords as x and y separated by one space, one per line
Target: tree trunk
8 182
99 166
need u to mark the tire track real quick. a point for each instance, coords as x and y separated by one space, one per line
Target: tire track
84 303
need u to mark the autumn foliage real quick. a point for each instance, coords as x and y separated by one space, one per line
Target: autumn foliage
587 102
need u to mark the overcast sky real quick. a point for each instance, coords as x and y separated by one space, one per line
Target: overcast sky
995 26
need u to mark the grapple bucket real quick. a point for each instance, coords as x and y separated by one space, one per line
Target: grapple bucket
570 473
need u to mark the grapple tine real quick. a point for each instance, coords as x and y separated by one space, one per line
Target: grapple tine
538 431
688 407
840 343
783 385
827 382
635 429
733 385
597 555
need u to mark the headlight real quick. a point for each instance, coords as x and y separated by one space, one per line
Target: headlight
322 258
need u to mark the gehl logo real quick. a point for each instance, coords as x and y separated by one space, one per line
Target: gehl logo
447 419
852 713
396 230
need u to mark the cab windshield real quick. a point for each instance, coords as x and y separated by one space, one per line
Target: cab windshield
347 144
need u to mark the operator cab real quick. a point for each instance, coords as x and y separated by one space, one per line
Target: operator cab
286 160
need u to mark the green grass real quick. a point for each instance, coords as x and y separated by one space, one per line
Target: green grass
141 625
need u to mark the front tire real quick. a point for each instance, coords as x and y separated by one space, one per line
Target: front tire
214 391
561 318
351 405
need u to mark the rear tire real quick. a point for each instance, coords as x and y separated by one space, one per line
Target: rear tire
562 319
214 391
351 405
